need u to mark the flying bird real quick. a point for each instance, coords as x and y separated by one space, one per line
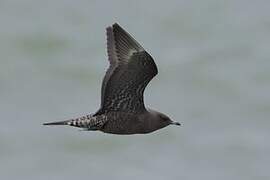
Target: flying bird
122 109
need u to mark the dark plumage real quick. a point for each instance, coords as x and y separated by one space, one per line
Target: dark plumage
122 109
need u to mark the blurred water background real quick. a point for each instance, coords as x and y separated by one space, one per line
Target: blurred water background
213 59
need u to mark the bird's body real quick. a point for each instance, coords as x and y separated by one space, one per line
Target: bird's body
117 122
122 108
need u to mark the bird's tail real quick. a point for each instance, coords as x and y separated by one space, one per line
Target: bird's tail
59 123
82 122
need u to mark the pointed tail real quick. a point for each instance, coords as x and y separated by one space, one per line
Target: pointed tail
83 121
87 121
58 123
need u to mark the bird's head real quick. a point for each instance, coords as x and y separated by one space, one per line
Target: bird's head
158 120
166 120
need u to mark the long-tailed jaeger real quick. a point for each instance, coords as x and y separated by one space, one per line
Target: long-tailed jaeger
122 109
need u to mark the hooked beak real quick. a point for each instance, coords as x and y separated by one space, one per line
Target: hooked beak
175 123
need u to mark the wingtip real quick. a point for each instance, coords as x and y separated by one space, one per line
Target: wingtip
114 25
108 28
117 27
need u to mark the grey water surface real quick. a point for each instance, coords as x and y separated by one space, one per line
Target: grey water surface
214 77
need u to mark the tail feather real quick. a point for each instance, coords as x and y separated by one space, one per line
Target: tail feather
58 123
88 122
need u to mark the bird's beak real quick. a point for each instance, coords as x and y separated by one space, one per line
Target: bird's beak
175 123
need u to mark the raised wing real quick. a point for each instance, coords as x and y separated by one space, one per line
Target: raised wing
131 69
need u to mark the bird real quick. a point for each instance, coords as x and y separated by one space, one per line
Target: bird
122 110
